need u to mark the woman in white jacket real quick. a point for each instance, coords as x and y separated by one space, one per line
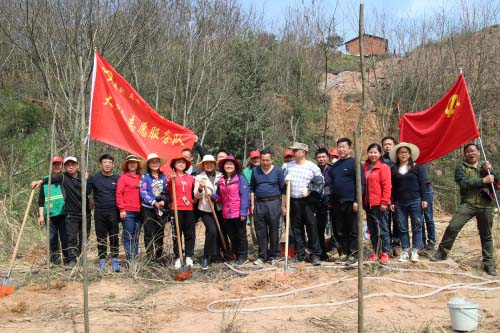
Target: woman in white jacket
205 185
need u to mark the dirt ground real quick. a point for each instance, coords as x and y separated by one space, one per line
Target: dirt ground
151 302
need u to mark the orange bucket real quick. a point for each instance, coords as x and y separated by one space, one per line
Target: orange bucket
6 291
291 251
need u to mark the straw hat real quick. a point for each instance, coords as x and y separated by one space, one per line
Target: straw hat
237 164
206 158
414 151
179 157
144 163
130 158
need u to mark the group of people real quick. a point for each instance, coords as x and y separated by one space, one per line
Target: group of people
396 196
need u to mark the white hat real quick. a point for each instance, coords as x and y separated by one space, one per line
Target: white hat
414 151
206 158
70 158
144 164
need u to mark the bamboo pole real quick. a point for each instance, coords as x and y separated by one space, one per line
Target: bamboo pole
357 154
47 216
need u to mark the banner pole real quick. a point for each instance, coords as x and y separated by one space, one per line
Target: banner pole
489 174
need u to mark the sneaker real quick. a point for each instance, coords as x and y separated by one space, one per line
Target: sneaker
204 263
259 261
343 257
177 264
490 270
384 258
116 265
414 255
241 261
439 255
403 257
274 261
189 261
316 261
101 264
352 260
372 257
430 245
396 251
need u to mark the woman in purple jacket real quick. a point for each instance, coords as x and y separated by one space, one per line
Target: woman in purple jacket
234 194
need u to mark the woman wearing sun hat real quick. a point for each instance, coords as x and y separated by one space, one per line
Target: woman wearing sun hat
155 205
206 184
234 194
128 201
409 196
184 185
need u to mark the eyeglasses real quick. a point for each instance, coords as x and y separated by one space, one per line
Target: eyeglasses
403 152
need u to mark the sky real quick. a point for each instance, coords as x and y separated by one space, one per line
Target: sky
347 11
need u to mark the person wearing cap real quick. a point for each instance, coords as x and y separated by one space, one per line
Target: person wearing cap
254 162
155 205
71 183
205 185
232 191
322 160
102 185
288 156
387 143
128 201
409 197
57 227
345 206
184 185
476 179
307 184
333 155
267 205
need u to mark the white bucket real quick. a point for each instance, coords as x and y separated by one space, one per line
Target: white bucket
464 314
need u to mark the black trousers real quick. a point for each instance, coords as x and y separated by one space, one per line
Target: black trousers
74 235
303 214
107 226
266 220
346 227
394 230
186 223
237 231
322 221
57 233
154 231
211 234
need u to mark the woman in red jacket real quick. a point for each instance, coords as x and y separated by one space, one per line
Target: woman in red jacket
128 201
184 185
376 200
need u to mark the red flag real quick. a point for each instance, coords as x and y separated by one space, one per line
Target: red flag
121 118
443 127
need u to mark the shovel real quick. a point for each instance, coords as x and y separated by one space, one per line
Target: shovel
6 287
221 235
287 271
184 272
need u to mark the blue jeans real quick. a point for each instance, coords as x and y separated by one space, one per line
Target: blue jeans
131 230
378 225
429 219
412 209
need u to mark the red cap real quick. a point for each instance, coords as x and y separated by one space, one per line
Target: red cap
288 152
333 152
254 153
57 159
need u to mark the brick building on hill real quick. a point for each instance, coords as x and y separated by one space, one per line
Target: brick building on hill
374 45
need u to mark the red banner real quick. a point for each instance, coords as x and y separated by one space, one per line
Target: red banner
120 117
444 127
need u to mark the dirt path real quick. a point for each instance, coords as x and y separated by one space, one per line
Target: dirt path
119 303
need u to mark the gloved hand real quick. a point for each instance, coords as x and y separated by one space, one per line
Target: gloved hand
305 192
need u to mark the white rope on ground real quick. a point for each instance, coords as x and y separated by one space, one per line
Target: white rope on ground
241 272
438 289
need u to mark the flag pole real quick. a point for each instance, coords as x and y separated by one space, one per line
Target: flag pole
489 174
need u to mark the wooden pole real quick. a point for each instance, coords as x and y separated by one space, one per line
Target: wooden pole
287 222
47 217
357 150
83 175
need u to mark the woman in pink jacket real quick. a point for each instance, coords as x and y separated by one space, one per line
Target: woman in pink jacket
376 200
234 194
